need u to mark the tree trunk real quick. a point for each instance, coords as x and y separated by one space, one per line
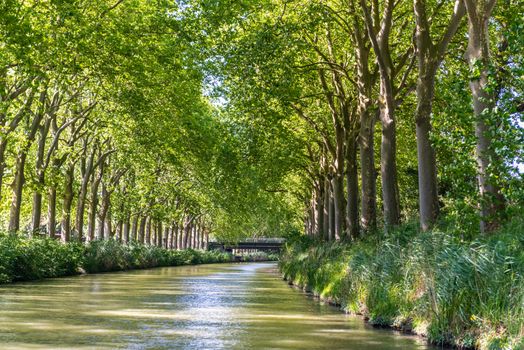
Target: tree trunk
142 229
197 236
187 236
427 169
168 237
153 233
148 231
51 212
93 204
82 194
491 197
80 208
312 214
327 218
180 236
104 208
3 147
379 39
134 228
160 236
65 229
19 177
17 188
429 57
338 187
331 215
36 215
176 236
168 233
187 232
202 238
320 208
367 171
192 239
125 229
119 231
388 158
352 189
109 230
367 119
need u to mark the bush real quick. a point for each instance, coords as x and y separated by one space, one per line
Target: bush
467 293
111 255
259 256
23 259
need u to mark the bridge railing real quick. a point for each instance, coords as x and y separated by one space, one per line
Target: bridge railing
264 240
254 240
249 245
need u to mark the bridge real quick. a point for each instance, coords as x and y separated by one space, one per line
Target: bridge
262 244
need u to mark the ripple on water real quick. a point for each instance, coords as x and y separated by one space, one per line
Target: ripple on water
223 306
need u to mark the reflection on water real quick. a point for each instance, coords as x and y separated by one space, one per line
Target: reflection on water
228 306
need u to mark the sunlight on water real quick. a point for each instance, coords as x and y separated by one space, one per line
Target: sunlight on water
229 306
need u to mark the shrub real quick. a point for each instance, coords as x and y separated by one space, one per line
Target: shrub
24 258
460 292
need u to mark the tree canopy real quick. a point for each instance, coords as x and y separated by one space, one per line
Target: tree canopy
258 118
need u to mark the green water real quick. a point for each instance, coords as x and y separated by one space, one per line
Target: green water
224 306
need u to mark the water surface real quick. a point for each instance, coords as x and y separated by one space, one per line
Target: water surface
223 306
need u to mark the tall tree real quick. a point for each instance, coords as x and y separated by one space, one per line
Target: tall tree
480 62
430 52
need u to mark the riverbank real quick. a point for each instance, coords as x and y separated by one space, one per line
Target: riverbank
26 259
465 294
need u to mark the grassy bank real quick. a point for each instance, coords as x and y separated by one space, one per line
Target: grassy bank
24 259
469 294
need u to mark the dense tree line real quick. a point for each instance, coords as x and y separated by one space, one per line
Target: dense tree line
382 100
104 129
164 122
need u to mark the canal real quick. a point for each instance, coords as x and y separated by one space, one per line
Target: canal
222 306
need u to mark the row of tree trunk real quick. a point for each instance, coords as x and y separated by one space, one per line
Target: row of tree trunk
333 210
145 230
75 172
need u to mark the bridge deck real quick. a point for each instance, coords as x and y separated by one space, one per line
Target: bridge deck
263 246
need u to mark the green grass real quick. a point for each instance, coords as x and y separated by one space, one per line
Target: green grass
465 293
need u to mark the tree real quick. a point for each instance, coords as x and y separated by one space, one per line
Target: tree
430 54
480 62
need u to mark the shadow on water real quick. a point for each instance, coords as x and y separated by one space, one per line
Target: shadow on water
227 306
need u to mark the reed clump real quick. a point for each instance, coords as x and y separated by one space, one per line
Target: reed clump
469 294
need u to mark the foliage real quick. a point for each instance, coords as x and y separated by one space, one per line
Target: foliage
467 293
111 255
24 259
259 256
